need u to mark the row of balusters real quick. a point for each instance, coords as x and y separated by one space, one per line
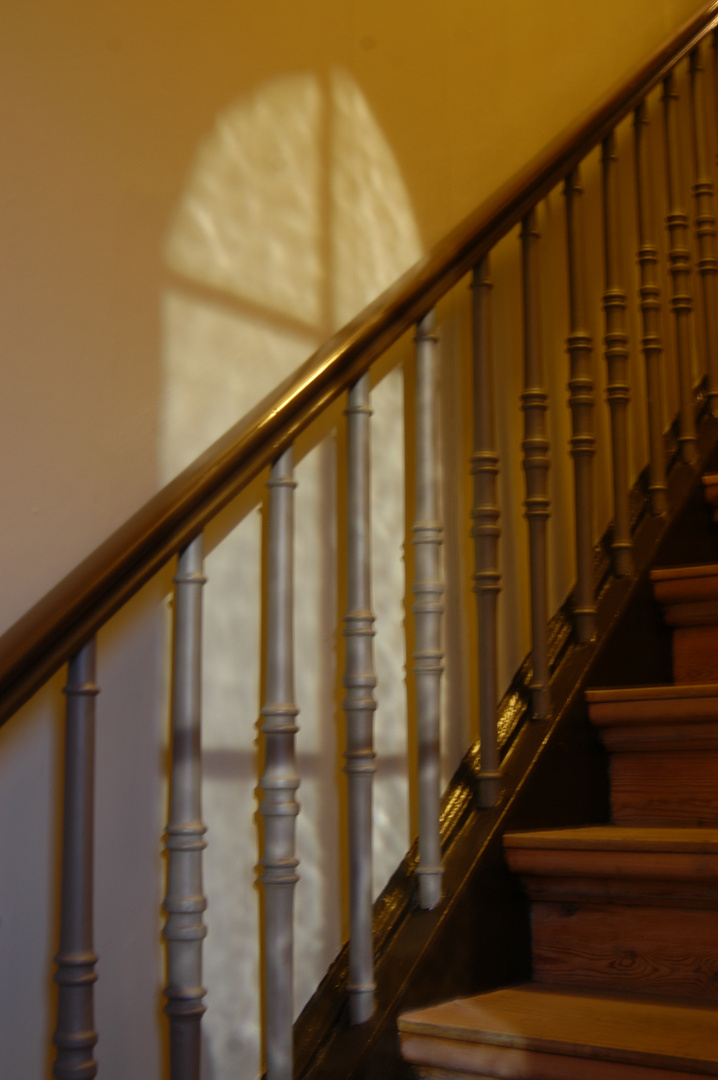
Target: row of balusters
184 931
185 903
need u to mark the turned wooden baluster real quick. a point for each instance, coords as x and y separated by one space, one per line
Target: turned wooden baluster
680 267
359 705
650 294
75 1034
535 446
616 353
279 781
485 531
703 192
583 442
428 609
184 839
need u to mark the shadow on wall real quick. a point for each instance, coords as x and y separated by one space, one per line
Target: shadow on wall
294 217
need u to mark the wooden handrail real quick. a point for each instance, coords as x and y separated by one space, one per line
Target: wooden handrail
55 628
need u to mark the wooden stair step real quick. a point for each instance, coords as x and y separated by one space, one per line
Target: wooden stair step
678 585
663 742
620 908
624 863
675 717
610 838
536 1033
689 597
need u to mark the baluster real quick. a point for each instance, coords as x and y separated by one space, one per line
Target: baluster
359 705
715 79
680 267
583 443
616 352
486 531
75 1036
279 782
705 226
650 295
536 465
428 609
184 838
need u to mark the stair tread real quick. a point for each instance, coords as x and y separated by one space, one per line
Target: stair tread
618 838
611 1027
663 692
684 573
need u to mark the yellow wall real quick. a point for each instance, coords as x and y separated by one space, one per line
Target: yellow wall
104 106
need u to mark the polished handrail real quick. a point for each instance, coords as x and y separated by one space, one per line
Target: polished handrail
53 630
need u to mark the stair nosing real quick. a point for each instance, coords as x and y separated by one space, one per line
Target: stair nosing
659 692
619 838
681 573
607 1050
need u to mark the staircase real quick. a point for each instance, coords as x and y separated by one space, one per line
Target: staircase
624 919
624 931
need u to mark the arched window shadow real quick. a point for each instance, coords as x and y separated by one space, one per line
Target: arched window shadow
294 217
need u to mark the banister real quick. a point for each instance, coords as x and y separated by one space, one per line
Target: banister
54 629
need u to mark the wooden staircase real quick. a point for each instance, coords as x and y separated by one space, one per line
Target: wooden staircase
624 917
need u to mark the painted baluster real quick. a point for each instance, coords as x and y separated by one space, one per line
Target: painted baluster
703 192
536 465
280 781
428 609
680 267
583 443
650 294
359 705
715 78
485 531
184 839
616 353
75 1036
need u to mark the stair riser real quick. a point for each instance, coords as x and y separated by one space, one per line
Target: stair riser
648 950
665 788
695 654
684 895
617 865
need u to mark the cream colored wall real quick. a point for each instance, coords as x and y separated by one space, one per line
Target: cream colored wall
104 107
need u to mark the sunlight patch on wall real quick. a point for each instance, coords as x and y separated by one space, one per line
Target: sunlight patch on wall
250 219
242 359
366 186
293 218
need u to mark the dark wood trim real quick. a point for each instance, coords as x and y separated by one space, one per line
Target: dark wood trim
35 647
